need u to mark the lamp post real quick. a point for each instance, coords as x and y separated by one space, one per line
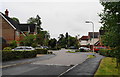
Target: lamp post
93 32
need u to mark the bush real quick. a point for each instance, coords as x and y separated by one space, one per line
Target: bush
55 48
13 44
34 45
7 48
106 52
77 51
13 55
82 50
50 52
41 51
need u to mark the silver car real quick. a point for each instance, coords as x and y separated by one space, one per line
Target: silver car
19 48
85 48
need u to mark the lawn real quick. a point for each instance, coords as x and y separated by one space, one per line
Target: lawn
107 67
90 56
70 51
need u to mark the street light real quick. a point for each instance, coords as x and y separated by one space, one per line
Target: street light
93 32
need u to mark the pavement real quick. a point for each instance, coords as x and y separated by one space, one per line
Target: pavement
86 69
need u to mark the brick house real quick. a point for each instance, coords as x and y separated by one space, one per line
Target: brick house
87 41
84 41
12 30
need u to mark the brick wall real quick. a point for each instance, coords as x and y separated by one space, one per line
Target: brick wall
8 33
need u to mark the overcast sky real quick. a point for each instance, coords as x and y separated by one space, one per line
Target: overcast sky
58 16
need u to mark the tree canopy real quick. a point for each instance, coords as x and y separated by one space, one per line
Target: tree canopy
110 18
37 21
15 19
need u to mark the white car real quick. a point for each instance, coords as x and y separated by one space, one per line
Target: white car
23 48
84 48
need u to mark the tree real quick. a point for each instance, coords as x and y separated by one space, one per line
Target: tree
13 44
16 19
67 41
66 38
52 43
110 17
36 21
29 40
62 41
42 38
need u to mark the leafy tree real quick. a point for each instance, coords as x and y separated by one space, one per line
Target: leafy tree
62 41
16 19
42 38
67 41
52 43
29 40
13 44
110 17
36 21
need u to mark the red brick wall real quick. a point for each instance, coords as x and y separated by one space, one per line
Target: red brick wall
8 33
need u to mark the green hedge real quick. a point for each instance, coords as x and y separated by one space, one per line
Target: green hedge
56 48
106 52
13 55
41 51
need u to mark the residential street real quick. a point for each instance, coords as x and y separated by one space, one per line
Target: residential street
52 66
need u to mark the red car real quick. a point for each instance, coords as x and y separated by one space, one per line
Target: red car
97 48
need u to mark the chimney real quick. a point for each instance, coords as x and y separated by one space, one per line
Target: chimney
6 12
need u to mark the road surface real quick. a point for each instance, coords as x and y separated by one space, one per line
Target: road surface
52 66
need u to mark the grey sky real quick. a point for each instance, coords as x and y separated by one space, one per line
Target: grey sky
58 16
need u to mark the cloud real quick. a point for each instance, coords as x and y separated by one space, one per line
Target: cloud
58 17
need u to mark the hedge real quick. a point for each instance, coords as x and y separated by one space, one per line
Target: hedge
41 51
56 48
13 55
105 52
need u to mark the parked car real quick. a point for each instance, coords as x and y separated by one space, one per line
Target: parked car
84 49
97 48
44 47
23 48
72 47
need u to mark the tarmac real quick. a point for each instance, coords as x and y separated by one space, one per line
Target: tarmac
86 69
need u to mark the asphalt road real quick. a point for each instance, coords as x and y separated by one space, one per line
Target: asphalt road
51 66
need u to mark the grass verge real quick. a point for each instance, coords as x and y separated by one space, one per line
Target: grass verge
107 67
70 51
90 56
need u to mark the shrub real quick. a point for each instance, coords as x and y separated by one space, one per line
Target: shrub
55 48
7 48
34 45
106 52
13 55
50 52
13 44
82 50
77 51
41 51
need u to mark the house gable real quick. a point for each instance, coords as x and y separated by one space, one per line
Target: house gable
7 21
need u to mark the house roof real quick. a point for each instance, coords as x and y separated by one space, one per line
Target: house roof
13 23
96 34
17 26
84 38
27 27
